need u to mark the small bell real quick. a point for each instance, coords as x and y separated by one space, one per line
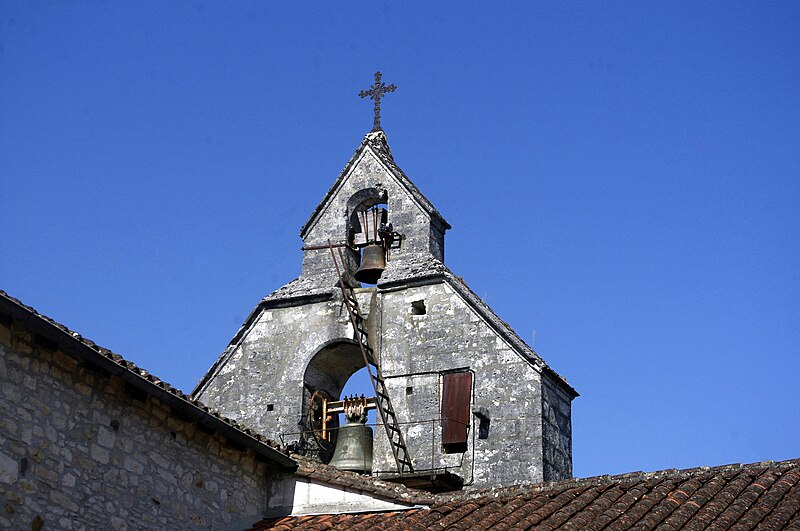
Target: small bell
373 262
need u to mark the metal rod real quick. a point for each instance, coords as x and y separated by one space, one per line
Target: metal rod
365 228
433 441
328 246
325 434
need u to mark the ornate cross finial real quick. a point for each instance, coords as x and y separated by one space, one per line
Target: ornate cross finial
375 93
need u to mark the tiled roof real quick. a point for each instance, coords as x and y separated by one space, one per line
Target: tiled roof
70 341
755 496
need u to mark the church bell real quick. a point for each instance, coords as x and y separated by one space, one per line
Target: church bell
354 445
373 262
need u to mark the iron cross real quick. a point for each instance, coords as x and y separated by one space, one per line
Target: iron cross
375 93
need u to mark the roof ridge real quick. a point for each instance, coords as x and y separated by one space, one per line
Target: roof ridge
628 477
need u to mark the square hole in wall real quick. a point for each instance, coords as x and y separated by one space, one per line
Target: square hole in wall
418 308
483 428
409 390
270 407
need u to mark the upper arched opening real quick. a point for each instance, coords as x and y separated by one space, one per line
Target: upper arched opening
357 205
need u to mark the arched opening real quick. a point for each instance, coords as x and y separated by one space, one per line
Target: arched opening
358 385
358 203
325 377
370 233
366 221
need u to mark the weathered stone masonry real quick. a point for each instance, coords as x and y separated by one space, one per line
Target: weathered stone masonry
424 322
82 449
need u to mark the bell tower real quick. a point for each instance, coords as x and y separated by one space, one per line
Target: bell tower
376 203
470 399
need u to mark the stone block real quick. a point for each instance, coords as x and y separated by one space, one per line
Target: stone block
68 480
99 454
106 437
9 468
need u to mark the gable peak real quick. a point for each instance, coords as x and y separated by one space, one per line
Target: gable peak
377 141
377 144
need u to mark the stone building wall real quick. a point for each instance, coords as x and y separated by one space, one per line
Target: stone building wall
80 450
299 337
556 431
418 348
261 383
368 182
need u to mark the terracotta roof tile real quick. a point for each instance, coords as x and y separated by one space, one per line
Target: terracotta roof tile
456 513
784 511
671 500
760 495
591 515
730 493
581 502
739 506
623 504
694 503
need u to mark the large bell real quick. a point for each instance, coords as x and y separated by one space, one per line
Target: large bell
353 448
373 262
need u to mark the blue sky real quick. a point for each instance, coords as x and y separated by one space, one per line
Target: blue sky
622 178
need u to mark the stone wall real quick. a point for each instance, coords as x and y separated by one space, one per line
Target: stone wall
556 431
261 383
80 450
417 348
421 234
422 322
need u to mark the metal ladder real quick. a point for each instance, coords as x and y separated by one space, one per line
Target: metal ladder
384 404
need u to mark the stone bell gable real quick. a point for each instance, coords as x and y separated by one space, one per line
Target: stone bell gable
473 400
372 178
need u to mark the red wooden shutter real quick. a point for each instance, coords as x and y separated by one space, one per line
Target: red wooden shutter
456 392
